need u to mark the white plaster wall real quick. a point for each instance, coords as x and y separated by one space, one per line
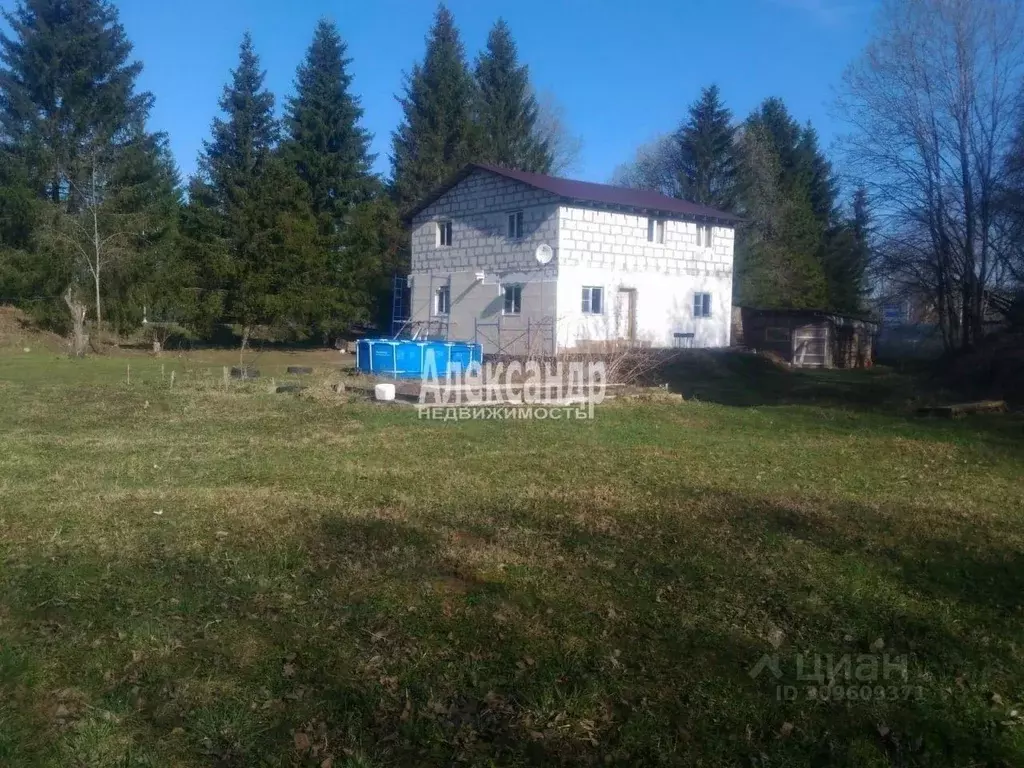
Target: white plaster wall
664 306
610 249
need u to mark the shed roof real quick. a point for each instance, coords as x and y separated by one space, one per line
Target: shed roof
587 192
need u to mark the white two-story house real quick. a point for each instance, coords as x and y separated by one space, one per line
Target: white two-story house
522 262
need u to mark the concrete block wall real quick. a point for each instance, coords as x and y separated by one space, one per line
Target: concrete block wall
478 208
477 307
593 247
618 241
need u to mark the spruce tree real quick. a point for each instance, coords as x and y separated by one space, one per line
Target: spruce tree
778 247
814 171
72 120
243 141
506 109
325 141
250 224
848 257
784 133
706 153
159 283
329 151
437 135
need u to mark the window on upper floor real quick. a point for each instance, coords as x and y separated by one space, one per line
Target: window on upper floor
513 300
593 300
515 225
444 233
705 236
442 300
702 305
656 231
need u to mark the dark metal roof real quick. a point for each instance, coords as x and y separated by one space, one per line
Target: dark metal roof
588 192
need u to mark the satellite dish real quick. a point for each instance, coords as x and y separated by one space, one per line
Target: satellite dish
543 254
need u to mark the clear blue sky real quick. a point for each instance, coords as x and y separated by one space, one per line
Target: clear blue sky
623 71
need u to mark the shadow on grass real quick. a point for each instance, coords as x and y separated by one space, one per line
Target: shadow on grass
745 379
748 380
539 633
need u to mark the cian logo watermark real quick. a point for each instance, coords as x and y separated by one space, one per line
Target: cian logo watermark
838 677
555 391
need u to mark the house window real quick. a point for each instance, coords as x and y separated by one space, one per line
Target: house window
442 300
656 231
776 334
593 300
513 299
444 233
704 237
515 225
702 305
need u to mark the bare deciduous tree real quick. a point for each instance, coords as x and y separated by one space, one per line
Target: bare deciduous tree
933 102
551 126
91 224
655 166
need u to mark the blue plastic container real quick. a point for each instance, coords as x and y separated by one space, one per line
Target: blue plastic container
405 359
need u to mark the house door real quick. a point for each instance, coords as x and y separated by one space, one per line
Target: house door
625 314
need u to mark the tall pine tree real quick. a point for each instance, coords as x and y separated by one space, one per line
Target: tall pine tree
437 135
506 109
707 153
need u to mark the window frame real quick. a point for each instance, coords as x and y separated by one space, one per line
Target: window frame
444 231
705 236
656 229
703 311
587 304
517 299
515 226
446 292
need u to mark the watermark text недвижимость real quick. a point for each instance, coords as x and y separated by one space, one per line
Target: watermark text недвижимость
516 390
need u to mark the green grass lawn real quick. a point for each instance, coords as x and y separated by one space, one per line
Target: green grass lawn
205 577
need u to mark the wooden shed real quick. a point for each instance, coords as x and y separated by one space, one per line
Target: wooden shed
811 338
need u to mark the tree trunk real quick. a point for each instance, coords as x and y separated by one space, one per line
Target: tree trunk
99 318
79 340
96 252
245 341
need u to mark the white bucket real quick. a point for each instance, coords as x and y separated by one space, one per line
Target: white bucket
384 392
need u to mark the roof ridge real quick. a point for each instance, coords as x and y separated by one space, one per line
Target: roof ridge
586 191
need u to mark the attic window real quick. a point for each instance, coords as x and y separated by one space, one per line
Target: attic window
656 231
444 233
